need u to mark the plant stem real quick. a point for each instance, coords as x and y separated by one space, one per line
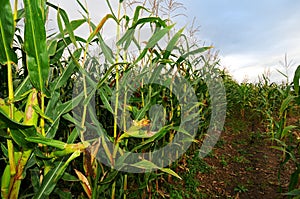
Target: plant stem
42 118
113 189
10 145
15 12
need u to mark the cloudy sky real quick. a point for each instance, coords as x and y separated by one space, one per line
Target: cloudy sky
252 36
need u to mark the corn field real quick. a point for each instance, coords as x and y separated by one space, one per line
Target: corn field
80 118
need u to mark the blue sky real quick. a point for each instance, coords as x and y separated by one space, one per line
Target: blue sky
252 36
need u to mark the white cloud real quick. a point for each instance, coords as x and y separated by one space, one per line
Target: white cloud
252 35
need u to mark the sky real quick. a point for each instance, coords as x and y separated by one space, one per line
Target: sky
253 37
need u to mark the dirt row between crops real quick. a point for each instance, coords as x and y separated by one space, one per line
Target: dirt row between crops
244 166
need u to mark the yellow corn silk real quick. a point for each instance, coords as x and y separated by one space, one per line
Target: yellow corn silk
142 123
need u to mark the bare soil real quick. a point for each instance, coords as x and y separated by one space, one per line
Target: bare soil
245 166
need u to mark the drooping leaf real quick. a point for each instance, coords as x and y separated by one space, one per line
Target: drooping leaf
285 104
137 13
18 131
150 166
18 115
194 52
99 26
69 29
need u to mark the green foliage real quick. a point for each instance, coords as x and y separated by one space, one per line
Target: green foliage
51 135
38 119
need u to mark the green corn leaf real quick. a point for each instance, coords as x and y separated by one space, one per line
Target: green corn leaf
68 177
295 192
5 181
18 115
172 44
62 13
52 177
111 176
170 171
7 31
70 26
52 46
126 38
19 131
104 98
297 80
63 194
145 20
21 14
68 71
137 13
106 50
23 89
61 110
294 180
141 113
285 104
150 166
158 135
40 112
154 39
47 141
73 136
82 7
35 179
194 52
35 45
4 150
62 44
147 165
286 130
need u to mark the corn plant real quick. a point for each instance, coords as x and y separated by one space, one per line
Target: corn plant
286 134
47 116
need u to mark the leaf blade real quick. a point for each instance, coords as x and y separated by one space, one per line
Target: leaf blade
35 45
